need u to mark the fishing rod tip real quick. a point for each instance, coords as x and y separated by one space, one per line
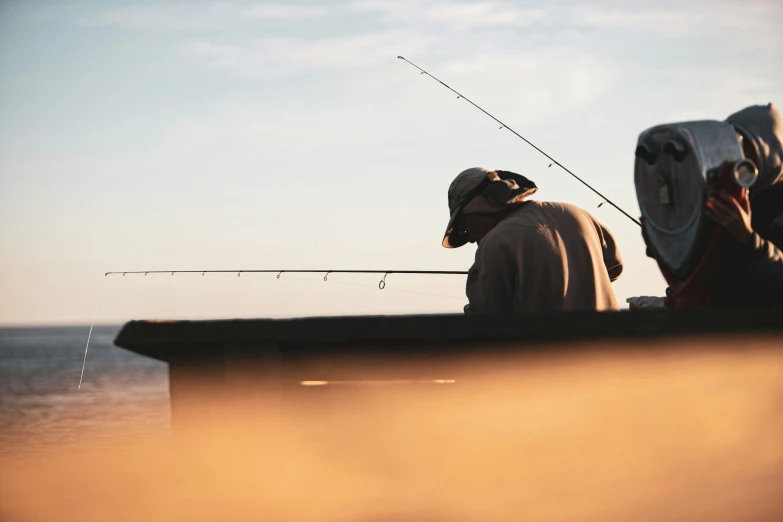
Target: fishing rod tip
400 57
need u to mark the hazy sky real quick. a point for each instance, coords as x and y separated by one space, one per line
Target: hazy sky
201 135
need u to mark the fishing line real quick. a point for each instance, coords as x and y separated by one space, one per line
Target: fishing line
393 289
425 293
370 286
504 126
89 335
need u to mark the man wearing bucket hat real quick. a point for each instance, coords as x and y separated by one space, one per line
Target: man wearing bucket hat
532 255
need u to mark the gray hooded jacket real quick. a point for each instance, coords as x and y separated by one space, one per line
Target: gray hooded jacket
755 278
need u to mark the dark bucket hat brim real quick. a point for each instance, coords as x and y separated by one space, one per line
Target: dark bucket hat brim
452 239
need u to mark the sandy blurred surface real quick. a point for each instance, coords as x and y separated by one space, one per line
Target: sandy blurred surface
609 434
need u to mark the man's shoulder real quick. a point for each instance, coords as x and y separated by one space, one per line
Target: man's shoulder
523 222
568 208
540 216
537 213
557 209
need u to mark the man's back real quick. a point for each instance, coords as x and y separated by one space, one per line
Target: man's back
544 257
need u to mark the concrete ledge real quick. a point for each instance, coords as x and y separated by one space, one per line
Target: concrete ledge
430 333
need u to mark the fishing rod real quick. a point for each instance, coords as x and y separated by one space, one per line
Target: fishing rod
381 284
503 125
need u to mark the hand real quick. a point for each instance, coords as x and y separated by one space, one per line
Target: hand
645 301
732 216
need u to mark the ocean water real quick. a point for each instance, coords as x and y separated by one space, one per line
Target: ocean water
39 378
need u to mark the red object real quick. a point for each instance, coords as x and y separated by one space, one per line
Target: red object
696 290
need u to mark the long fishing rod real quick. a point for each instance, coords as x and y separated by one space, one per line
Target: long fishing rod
381 284
503 125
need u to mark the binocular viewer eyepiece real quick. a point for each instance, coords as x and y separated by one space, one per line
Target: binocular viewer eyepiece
743 173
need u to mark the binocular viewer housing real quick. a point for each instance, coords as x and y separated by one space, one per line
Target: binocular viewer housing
677 167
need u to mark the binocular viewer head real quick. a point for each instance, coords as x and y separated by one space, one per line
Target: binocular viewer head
677 167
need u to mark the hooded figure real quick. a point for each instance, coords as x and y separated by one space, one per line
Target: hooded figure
761 128
532 256
754 274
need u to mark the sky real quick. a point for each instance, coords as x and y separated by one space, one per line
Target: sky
286 135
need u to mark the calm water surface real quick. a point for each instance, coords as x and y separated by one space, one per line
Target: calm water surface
39 377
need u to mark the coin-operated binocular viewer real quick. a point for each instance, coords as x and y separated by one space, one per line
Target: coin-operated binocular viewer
678 166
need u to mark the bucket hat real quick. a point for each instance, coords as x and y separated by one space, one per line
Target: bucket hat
500 187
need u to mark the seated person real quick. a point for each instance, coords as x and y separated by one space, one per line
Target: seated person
532 255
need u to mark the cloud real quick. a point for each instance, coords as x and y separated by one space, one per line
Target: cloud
538 83
691 21
456 15
520 87
722 86
655 18
660 21
158 17
187 17
273 11
459 15
285 56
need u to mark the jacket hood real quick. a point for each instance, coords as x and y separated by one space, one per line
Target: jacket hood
762 125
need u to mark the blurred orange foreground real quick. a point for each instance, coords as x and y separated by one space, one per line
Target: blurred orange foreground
608 431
